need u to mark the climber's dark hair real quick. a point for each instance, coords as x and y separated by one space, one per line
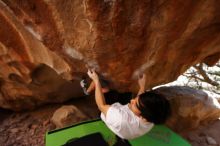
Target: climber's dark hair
154 107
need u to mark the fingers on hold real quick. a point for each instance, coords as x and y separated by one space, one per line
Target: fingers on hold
140 76
90 70
93 69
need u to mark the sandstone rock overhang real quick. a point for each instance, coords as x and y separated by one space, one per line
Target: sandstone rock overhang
60 39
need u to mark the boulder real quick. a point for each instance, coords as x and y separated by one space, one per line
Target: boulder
211 141
67 115
190 107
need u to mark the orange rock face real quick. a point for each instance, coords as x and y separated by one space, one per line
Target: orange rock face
46 43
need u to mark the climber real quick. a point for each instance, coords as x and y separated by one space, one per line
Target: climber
132 119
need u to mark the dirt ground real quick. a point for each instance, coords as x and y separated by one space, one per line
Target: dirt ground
29 128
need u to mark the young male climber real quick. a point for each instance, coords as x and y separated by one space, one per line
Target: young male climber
134 118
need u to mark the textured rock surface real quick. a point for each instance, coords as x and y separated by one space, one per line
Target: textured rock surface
46 43
67 115
190 108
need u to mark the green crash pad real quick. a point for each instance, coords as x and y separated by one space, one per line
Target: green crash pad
159 135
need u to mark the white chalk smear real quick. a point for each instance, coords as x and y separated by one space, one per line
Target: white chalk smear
34 33
92 64
143 67
3 49
73 52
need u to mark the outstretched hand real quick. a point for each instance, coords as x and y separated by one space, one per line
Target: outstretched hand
93 75
142 81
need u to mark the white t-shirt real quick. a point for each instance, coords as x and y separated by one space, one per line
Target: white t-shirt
124 123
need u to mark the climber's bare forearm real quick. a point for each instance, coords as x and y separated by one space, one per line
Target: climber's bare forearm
99 98
141 90
142 83
91 87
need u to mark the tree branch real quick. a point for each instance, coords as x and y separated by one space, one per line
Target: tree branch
200 70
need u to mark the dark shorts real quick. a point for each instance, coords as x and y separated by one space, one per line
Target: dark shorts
114 96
